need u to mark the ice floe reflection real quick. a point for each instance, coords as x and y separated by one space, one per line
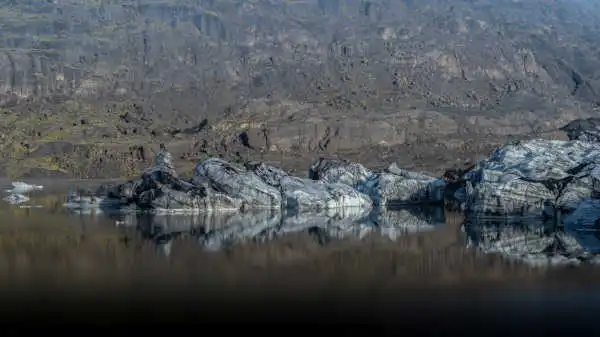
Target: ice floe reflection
216 231
534 241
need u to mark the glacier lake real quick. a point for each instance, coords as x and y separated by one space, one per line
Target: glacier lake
44 243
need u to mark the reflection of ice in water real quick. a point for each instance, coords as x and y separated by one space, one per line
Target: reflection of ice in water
163 247
15 199
216 231
408 220
92 205
583 224
535 242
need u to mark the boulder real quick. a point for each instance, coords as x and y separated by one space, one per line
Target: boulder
532 178
269 174
220 185
163 163
595 177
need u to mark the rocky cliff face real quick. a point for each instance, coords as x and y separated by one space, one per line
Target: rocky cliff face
299 75
348 53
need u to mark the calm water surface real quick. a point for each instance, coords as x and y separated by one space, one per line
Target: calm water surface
406 248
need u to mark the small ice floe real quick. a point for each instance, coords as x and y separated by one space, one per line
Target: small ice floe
17 192
19 187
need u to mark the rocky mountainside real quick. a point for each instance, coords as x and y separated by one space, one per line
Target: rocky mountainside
88 87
